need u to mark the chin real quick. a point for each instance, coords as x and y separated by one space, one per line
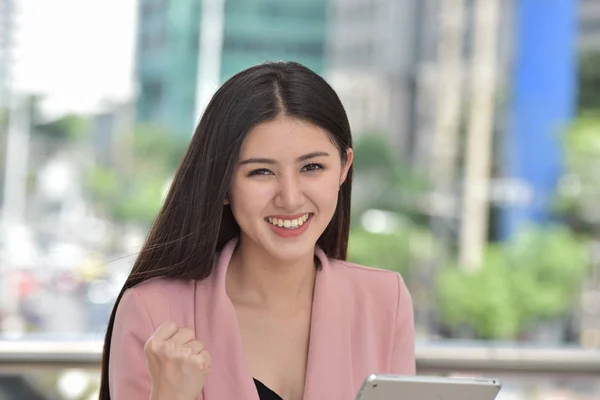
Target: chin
292 250
289 249
283 246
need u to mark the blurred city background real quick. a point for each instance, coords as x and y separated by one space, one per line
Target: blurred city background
477 141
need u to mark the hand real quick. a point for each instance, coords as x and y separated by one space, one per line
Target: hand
177 363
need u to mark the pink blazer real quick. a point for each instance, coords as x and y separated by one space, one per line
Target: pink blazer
362 323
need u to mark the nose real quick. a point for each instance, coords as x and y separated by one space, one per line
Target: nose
290 196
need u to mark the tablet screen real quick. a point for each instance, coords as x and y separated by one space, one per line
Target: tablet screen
394 387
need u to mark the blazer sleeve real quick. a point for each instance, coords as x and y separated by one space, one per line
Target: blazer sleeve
403 353
127 374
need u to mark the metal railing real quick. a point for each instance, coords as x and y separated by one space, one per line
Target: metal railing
498 361
432 358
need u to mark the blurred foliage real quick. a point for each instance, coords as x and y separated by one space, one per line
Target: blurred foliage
372 152
401 250
534 277
383 181
155 148
537 275
3 118
589 81
133 192
104 184
482 299
389 251
70 128
554 261
579 187
386 185
141 200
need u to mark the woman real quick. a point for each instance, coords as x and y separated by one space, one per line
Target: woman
241 291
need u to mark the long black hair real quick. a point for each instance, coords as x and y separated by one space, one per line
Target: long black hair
193 224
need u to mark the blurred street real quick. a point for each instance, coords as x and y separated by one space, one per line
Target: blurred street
476 137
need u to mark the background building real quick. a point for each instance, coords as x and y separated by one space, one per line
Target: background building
373 56
252 31
589 25
6 24
472 96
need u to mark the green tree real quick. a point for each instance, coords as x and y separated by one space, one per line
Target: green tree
589 81
133 193
69 128
401 250
579 188
383 181
155 148
534 277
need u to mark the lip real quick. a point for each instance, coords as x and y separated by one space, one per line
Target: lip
286 232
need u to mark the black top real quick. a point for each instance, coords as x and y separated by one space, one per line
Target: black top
264 393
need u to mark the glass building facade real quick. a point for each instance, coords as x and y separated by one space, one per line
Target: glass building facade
254 31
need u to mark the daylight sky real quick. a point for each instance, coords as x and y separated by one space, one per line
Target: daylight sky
78 53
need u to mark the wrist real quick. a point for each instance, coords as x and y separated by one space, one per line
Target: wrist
162 393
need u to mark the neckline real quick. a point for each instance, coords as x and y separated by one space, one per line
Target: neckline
312 355
329 341
271 393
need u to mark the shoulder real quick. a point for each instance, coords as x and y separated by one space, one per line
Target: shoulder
381 293
379 304
369 280
154 289
159 299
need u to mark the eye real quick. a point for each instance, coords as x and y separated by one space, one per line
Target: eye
260 171
312 167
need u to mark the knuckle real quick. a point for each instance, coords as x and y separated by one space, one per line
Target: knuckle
169 348
188 333
162 349
150 346
185 352
169 326
197 346
198 362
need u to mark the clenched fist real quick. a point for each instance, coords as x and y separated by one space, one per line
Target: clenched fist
177 363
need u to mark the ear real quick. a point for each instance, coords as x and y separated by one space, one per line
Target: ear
226 200
346 165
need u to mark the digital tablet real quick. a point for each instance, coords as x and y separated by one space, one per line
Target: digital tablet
397 387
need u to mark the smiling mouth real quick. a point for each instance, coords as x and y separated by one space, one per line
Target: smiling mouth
289 223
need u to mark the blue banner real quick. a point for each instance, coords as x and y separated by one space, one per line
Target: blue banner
542 102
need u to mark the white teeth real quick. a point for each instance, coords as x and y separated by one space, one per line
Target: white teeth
289 223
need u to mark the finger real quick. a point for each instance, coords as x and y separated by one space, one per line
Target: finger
202 360
166 331
183 336
196 346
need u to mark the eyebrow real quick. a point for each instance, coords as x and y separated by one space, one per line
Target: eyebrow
304 157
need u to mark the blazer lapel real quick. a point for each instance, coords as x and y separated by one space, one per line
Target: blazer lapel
217 325
329 370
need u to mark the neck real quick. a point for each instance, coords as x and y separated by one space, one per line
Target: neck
257 279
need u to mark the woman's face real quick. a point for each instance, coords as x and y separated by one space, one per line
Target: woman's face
285 188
